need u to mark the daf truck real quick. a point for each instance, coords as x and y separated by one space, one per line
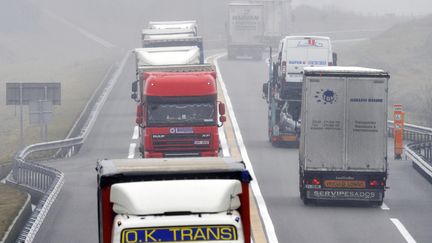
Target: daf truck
282 91
343 143
173 200
245 30
177 111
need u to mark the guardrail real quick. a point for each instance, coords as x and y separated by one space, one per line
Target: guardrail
419 151
46 182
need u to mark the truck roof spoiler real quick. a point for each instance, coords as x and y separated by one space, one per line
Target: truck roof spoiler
178 68
171 38
166 31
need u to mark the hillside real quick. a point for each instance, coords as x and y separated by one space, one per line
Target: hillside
405 50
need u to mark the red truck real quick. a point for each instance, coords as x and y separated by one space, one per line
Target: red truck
178 111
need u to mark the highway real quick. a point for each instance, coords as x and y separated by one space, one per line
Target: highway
405 217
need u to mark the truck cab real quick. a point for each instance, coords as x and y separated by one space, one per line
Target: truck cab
173 200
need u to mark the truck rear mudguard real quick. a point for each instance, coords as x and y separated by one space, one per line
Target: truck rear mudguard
343 186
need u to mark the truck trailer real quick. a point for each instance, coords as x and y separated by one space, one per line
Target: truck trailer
245 30
343 143
173 200
283 89
153 38
178 112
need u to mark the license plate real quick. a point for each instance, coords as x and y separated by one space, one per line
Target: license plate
289 138
180 234
344 184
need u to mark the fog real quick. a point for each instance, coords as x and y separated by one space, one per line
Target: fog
372 7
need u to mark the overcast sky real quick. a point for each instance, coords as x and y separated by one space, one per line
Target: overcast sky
399 7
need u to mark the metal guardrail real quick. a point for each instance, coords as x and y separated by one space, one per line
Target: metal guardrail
419 150
48 181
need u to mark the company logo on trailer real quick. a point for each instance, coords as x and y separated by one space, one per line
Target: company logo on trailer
325 96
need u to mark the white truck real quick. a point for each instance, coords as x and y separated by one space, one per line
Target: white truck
172 38
277 19
284 88
245 30
173 200
343 142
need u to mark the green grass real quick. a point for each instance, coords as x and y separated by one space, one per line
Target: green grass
11 202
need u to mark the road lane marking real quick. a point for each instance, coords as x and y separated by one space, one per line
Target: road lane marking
132 147
384 207
84 32
269 227
135 133
403 230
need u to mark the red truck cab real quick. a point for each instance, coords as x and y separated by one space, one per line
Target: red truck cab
178 114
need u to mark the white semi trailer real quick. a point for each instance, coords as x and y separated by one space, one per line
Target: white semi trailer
343 142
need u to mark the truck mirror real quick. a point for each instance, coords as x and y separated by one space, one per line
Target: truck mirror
221 108
222 119
135 86
265 90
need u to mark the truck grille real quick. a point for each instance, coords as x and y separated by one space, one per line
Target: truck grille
181 141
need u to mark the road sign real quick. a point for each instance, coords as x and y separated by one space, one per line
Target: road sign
23 93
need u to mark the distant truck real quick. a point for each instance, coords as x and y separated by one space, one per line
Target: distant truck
343 143
173 200
245 30
152 38
283 89
178 110
277 19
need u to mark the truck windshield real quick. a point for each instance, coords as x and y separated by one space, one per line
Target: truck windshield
181 113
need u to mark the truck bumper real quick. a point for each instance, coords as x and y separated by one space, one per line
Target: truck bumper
345 194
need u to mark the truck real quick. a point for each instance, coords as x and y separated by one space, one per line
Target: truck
343 143
182 24
177 111
173 200
277 19
245 30
152 38
282 91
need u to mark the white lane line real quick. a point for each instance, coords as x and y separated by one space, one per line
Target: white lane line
224 142
84 32
268 223
135 133
403 230
384 207
132 147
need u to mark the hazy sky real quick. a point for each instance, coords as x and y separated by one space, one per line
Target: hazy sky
400 7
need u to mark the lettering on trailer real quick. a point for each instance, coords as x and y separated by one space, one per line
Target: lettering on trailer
181 130
180 234
344 194
311 62
366 100
326 125
365 126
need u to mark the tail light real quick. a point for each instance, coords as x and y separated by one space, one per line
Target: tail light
284 67
373 183
315 181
